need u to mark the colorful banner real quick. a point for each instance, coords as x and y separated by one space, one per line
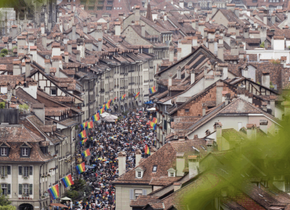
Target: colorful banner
81 168
54 192
86 153
147 150
84 125
123 97
153 125
83 134
96 117
137 95
152 90
83 142
67 181
90 124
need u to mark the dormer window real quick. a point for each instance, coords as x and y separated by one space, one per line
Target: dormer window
171 172
139 172
154 168
4 149
25 149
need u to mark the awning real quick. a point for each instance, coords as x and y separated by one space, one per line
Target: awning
152 109
59 205
65 199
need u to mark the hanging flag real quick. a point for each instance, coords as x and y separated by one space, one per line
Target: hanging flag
96 117
86 153
67 181
54 192
83 134
153 125
152 90
90 124
123 97
115 99
81 168
84 125
154 120
107 106
147 150
137 95
83 142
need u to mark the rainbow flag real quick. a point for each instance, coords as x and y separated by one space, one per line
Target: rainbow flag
107 106
86 153
96 117
67 181
147 150
122 97
83 142
137 95
115 99
54 192
81 167
153 125
83 134
84 125
154 120
90 124
152 90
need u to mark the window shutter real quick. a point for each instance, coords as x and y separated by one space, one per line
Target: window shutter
5 171
8 150
144 192
30 189
28 152
20 170
20 189
8 170
131 194
21 151
30 170
8 188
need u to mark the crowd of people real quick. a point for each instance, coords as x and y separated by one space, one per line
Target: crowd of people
128 133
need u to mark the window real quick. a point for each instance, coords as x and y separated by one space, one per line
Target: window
4 171
137 193
5 189
154 169
24 152
4 151
53 91
139 174
25 189
172 174
186 110
25 170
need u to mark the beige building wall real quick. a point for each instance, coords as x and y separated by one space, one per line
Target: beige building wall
123 195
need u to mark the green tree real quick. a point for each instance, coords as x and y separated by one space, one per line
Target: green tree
2 105
4 200
4 51
262 45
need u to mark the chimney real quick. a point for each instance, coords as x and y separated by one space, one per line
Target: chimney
251 131
263 33
192 77
266 79
100 44
169 80
81 47
209 145
220 54
27 67
69 47
178 74
74 33
47 66
117 28
165 17
122 163
203 109
143 30
78 56
218 128
193 165
171 54
194 41
264 126
85 28
137 14
193 24
33 52
273 19
55 64
176 186
180 163
237 12
14 31
16 67
264 106
42 29
265 20
137 157
213 9
66 54
231 7
246 32
219 94
181 4
55 49
39 111
178 54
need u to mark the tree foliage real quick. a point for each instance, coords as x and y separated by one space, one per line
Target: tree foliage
4 200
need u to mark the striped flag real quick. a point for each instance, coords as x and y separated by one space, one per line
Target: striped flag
54 192
67 181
